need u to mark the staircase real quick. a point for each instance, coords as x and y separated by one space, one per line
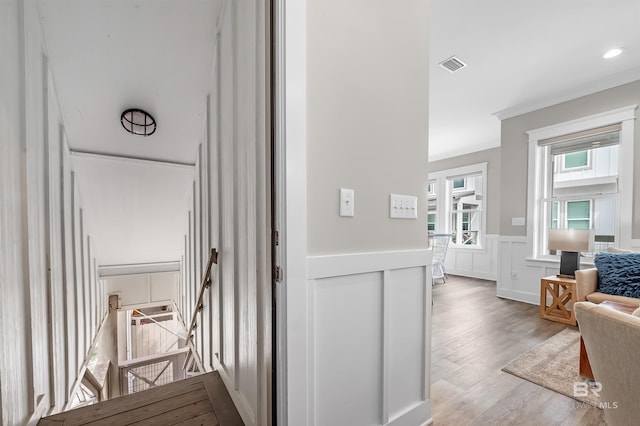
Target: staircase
199 400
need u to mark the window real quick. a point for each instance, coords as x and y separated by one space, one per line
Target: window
574 160
432 201
582 177
459 183
459 208
431 222
431 188
578 198
579 214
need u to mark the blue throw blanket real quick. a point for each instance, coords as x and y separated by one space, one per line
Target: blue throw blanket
619 274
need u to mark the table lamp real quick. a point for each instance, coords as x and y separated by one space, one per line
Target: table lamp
570 242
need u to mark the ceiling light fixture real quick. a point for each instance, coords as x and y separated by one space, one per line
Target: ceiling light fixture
138 122
612 53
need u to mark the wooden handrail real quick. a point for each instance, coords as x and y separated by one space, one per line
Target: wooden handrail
206 282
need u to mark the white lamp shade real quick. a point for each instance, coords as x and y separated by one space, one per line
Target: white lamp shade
576 240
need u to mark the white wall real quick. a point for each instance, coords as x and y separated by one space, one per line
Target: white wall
367 122
228 211
143 288
15 372
473 262
46 256
356 108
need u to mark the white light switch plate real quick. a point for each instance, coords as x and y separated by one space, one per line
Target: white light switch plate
346 202
403 206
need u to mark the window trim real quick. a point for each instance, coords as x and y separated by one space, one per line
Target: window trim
538 170
443 210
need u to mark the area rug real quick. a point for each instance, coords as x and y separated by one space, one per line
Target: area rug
554 364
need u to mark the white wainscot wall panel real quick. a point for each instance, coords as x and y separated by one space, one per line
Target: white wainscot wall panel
144 288
369 323
477 263
520 275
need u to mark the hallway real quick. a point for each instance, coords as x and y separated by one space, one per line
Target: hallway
135 139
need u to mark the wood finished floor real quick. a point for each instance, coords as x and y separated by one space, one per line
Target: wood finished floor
475 334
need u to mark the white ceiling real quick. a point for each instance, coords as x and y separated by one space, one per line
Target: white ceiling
108 55
521 56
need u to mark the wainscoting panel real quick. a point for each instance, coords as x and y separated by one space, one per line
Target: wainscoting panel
405 297
519 275
517 280
476 263
347 342
369 323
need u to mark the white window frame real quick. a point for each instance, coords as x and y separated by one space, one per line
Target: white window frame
443 205
538 171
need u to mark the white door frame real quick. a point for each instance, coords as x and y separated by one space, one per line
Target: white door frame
290 111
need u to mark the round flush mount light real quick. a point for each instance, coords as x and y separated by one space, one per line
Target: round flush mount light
138 122
612 53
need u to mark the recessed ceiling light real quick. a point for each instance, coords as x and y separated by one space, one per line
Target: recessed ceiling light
612 53
138 122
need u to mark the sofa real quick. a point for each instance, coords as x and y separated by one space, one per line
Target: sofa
615 278
612 340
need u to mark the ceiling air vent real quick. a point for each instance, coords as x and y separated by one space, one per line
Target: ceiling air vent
452 64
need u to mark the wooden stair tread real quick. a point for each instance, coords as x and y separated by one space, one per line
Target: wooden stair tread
188 402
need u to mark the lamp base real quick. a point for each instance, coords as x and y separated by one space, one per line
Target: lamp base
569 263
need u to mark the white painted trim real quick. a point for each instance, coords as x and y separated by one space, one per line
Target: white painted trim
360 263
131 159
625 181
291 140
138 268
512 239
386 332
458 171
278 113
473 274
413 416
519 296
144 305
584 123
612 81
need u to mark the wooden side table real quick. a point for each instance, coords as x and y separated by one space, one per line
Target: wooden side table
557 296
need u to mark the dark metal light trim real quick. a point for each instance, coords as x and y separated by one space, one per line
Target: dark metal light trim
138 122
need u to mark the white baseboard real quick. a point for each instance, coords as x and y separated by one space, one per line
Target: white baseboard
414 416
472 274
519 296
